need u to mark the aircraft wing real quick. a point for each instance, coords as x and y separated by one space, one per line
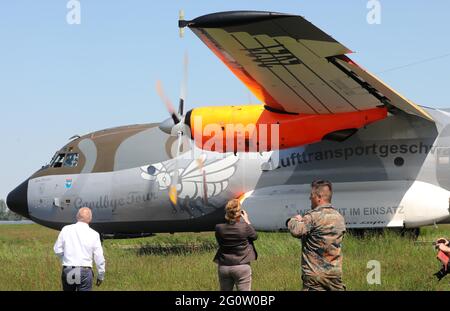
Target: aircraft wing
293 66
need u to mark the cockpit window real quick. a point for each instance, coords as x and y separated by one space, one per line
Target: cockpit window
71 160
58 160
64 160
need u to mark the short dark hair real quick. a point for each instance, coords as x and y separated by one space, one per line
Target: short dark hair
323 189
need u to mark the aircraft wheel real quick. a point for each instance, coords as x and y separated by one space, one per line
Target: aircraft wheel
411 233
358 233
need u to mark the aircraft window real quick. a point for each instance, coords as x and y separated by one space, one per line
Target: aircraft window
71 160
58 160
53 160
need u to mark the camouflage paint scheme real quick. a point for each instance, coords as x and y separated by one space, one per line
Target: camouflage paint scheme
393 173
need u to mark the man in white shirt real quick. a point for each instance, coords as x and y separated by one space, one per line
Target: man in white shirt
75 246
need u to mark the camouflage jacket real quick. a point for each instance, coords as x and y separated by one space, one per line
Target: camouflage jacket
321 231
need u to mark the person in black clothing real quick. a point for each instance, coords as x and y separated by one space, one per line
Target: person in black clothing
236 249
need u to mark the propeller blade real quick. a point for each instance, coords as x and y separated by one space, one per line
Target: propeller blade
181 18
183 90
173 195
200 163
181 106
167 102
205 188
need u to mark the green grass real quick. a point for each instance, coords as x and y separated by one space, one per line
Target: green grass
184 261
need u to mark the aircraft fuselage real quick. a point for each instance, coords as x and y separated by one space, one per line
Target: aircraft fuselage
393 173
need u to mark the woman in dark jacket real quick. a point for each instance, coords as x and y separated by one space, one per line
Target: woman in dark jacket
236 249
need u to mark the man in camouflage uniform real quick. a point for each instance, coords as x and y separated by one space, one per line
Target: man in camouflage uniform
321 230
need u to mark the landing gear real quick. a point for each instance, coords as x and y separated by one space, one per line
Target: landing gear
359 233
409 233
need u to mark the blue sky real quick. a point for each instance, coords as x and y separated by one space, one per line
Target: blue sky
57 80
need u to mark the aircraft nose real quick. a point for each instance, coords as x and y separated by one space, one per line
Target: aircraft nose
17 200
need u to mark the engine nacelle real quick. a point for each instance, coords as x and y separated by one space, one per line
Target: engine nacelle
256 128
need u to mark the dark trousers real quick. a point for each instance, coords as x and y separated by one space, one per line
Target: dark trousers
77 278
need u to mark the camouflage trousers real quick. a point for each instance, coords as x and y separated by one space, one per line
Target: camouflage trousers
322 283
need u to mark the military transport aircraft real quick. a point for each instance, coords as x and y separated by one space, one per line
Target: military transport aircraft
322 116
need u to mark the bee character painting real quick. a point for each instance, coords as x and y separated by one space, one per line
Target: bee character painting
199 181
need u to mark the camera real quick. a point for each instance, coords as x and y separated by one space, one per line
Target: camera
441 273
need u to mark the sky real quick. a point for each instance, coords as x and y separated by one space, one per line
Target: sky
59 79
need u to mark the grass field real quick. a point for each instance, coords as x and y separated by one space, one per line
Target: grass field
184 261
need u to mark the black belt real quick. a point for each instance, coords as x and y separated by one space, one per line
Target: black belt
74 267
